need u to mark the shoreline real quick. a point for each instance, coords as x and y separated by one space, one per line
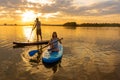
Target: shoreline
71 25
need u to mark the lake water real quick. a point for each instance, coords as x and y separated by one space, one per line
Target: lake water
90 53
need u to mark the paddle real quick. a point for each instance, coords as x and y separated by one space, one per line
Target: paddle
31 32
30 35
33 52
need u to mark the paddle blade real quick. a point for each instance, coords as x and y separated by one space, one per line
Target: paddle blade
33 52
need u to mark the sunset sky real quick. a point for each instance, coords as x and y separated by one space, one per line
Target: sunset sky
59 11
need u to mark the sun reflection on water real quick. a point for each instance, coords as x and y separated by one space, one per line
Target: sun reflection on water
29 35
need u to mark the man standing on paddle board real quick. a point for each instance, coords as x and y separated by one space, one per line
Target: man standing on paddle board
37 25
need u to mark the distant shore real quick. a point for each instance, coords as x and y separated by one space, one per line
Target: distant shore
99 25
72 24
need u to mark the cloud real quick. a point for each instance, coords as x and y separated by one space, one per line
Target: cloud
58 6
65 7
106 8
101 8
10 3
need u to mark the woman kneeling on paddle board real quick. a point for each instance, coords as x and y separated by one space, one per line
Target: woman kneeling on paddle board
54 42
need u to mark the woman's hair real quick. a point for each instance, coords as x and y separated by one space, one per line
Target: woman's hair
54 34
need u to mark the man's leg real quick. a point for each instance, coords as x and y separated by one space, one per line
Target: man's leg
37 37
41 37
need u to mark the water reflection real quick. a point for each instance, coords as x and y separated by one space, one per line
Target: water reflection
28 33
70 27
89 54
89 50
54 66
97 33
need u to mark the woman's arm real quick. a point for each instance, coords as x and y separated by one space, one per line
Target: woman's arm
59 40
50 41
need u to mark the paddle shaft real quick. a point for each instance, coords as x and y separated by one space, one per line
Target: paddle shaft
33 52
51 43
30 35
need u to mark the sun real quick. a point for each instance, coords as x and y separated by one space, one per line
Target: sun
28 16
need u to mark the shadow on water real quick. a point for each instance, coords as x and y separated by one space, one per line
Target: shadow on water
54 66
18 46
39 54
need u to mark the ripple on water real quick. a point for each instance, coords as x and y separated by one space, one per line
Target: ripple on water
6 44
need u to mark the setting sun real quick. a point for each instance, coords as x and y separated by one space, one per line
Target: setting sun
28 16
